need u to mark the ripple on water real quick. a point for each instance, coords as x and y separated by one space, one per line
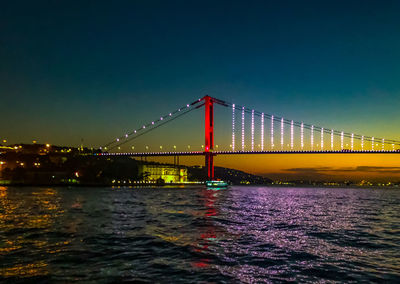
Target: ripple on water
242 234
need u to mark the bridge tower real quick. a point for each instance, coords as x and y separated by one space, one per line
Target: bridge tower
209 136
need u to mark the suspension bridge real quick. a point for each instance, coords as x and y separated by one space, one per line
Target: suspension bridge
271 140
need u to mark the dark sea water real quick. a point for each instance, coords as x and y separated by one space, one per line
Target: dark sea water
183 235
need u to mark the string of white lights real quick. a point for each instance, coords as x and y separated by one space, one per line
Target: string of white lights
312 137
362 143
242 128
322 138
341 140
233 127
262 132
352 141
252 130
302 135
282 133
272 132
291 135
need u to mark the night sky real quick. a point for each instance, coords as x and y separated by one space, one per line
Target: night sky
93 70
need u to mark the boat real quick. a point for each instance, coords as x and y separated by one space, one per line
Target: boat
216 184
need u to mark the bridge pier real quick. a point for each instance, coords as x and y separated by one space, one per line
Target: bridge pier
209 136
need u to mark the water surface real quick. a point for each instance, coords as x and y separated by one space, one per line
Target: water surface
181 235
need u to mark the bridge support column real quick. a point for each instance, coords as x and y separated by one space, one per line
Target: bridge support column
209 136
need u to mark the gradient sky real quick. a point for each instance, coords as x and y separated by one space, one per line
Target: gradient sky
96 69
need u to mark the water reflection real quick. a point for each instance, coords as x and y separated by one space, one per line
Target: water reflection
240 234
23 217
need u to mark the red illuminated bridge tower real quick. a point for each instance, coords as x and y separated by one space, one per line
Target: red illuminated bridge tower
209 135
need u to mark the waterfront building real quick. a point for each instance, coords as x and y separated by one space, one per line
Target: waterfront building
163 173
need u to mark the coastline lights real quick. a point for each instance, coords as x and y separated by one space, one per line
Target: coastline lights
291 135
302 135
272 132
332 139
262 132
233 127
312 137
242 128
282 133
341 140
322 138
252 130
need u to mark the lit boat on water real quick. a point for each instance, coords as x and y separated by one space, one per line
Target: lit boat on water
216 184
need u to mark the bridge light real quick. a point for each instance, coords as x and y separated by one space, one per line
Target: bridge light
133 147
312 137
170 114
119 148
144 126
282 129
147 147
262 132
332 139
126 135
322 138
134 131
252 130
187 105
341 140
160 147
302 135
233 127
152 122
161 118
383 144
242 128
362 143
372 143
272 132
291 135
117 139
352 141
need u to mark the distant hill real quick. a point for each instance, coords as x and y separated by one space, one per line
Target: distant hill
226 174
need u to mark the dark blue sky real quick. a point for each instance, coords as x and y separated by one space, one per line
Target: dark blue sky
94 69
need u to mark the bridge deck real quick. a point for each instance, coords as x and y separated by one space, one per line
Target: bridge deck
200 153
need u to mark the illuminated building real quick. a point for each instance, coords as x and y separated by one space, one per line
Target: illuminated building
168 173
